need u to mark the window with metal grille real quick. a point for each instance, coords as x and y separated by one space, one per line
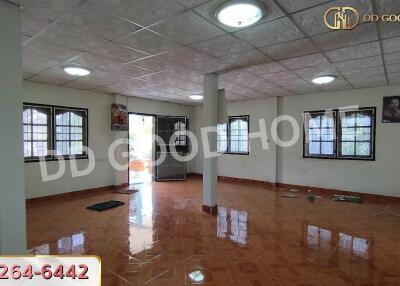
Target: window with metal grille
233 137
340 134
222 138
70 132
47 128
356 134
320 134
36 131
239 135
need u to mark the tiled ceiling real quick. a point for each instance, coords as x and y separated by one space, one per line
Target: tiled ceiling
159 49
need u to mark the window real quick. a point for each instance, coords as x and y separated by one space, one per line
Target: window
239 135
70 130
233 137
355 137
37 126
47 128
320 134
344 134
222 138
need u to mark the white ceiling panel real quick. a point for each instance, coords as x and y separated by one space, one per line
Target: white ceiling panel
70 38
394 78
338 84
188 28
305 61
266 68
222 46
290 49
303 88
313 72
245 58
270 33
359 63
98 21
119 53
354 52
50 49
391 45
47 79
343 38
34 64
134 71
148 42
393 68
279 76
365 82
391 59
95 62
293 6
364 73
145 12
388 6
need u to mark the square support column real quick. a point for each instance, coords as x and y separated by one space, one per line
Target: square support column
12 181
210 118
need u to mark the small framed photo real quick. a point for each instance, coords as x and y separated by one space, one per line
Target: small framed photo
391 109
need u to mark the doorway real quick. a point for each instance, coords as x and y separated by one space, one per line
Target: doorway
141 148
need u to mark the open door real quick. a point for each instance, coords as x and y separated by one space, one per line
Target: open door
141 148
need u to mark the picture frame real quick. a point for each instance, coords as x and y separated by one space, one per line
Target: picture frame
119 117
391 109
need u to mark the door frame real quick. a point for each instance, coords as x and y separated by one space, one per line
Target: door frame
155 129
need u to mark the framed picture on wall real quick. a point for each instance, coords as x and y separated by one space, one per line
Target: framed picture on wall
119 117
391 109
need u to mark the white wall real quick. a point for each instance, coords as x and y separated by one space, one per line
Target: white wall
259 164
12 191
378 177
100 136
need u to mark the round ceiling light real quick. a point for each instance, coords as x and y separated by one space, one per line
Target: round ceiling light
196 97
76 71
323 79
240 13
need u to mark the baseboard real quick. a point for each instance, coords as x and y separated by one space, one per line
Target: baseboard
319 191
329 192
76 194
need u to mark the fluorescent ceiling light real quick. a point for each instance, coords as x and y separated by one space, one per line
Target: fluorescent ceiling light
323 79
239 14
196 97
76 71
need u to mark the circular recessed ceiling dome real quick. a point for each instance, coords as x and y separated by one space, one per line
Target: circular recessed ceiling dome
76 71
240 13
323 79
196 97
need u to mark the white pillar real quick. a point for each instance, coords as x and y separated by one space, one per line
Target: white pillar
210 118
12 186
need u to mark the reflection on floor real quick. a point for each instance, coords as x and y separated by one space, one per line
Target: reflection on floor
140 171
161 237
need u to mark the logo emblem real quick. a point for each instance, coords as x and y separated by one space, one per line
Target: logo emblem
341 18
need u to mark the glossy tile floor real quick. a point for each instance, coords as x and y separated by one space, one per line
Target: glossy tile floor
161 237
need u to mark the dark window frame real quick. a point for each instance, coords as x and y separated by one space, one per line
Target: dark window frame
306 148
228 135
338 138
52 131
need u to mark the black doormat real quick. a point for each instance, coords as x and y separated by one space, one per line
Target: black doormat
105 206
